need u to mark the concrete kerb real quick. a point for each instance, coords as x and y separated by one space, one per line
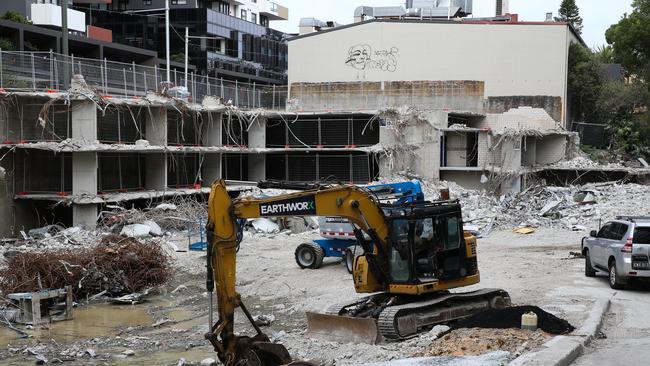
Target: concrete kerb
563 350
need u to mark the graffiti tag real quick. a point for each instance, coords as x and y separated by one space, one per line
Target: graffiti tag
362 57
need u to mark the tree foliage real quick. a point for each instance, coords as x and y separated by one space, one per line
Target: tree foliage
570 13
605 54
15 16
630 39
584 82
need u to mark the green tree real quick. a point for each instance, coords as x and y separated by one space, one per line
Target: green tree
178 57
15 16
630 40
570 13
6 44
605 54
584 83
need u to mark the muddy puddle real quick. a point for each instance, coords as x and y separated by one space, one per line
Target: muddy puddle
89 322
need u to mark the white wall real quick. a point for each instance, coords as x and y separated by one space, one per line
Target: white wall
512 59
50 14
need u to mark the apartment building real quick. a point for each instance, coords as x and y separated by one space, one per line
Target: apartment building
228 39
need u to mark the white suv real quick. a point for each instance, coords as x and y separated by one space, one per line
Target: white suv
621 248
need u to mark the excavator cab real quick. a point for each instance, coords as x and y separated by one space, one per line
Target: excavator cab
428 245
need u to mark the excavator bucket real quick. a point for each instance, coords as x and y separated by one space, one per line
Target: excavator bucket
343 329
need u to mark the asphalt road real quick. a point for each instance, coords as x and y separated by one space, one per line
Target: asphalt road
626 328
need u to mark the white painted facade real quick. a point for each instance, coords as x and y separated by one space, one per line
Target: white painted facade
513 59
50 15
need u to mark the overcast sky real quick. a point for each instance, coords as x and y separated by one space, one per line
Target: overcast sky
598 15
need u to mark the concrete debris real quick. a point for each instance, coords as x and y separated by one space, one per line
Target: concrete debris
128 352
585 197
166 207
208 362
154 229
549 207
136 230
264 320
438 330
45 231
266 226
544 206
131 299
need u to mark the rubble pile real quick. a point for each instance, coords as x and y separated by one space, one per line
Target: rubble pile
577 208
56 235
118 265
175 214
477 341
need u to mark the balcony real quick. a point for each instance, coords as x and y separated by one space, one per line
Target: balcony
274 11
49 15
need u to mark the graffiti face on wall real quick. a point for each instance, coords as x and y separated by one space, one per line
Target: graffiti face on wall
362 57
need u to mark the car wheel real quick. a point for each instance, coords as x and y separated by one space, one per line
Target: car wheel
309 255
589 270
615 281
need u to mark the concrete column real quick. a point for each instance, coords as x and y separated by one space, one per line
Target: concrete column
155 172
212 130
511 158
84 216
256 167
84 120
257 139
257 134
156 126
211 169
84 182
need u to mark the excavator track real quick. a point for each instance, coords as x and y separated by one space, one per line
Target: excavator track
402 321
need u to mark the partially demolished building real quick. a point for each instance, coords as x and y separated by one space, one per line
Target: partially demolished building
120 135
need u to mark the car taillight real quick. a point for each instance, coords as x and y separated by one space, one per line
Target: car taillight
627 248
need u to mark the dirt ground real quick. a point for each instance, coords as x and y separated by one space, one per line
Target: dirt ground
170 326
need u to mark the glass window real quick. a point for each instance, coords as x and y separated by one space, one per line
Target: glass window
244 14
254 18
604 231
453 233
621 230
641 235
399 266
224 7
146 2
179 2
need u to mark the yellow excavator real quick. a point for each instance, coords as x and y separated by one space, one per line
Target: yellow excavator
413 254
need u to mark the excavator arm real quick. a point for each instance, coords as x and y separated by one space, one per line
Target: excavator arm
357 205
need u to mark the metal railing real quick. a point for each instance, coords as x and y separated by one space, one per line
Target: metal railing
48 71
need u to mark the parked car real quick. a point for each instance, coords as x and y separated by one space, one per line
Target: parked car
621 248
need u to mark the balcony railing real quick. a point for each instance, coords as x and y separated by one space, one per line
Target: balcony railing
47 71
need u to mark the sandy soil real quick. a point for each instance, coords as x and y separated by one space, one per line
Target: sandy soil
529 267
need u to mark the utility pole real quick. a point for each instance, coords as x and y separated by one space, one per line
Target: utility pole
169 68
64 41
187 42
